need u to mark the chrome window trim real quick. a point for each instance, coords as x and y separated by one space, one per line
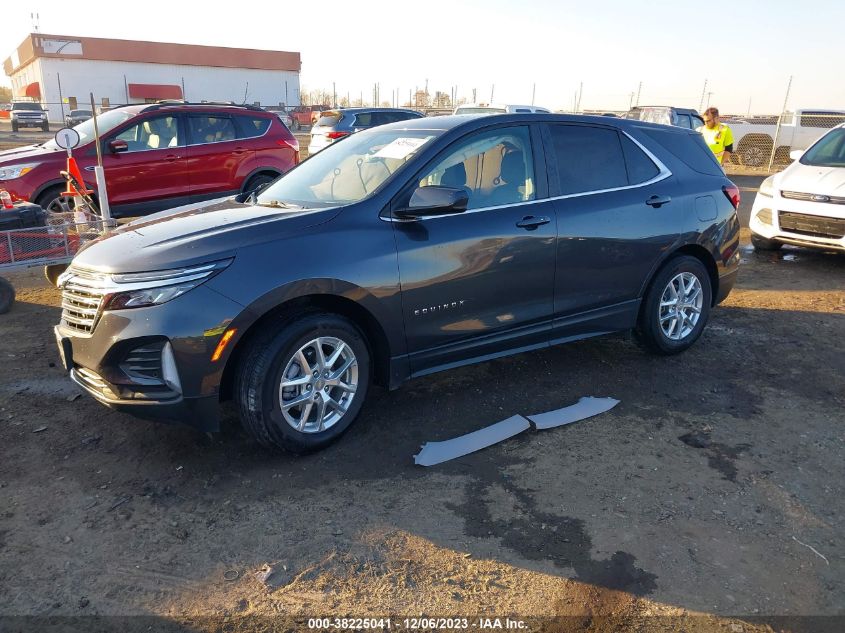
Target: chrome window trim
662 174
248 138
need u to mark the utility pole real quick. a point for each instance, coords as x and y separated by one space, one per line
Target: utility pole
639 90
748 112
492 90
631 100
533 93
473 96
334 95
703 92
780 118
709 94
580 92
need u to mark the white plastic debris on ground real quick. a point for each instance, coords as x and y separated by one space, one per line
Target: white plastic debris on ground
585 408
438 452
433 453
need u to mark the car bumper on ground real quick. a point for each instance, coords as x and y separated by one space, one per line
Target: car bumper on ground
799 222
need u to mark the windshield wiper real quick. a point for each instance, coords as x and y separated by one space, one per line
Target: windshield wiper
276 204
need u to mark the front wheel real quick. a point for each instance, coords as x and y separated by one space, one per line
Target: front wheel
301 383
676 306
762 244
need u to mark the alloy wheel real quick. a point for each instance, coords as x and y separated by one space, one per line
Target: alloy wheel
680 306
318 384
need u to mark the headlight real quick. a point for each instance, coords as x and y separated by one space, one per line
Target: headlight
8 172
767 187
138 290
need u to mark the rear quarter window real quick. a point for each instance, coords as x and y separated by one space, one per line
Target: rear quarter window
250 127
687 147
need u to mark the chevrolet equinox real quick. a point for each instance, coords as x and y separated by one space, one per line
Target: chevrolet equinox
406 249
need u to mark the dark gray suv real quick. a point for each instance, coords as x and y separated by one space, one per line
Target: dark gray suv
407 249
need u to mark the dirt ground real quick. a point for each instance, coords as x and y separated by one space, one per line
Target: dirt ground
709 499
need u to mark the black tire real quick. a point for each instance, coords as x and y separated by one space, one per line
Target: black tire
649 331
52 272
258 181
45 127
294 125
14 127
48 196
762 244
259 374
7 295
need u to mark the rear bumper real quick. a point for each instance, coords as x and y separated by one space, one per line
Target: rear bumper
726 284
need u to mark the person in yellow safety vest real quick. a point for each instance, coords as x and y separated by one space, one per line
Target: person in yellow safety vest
718 136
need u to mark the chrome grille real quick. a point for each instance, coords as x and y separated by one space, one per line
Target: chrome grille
812 197
82 298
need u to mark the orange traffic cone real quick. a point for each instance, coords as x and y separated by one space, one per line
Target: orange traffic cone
73 170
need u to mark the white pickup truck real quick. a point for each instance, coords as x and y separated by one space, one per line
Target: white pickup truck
754 137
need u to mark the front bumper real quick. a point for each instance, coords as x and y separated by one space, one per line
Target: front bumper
29 122
155 362
811 224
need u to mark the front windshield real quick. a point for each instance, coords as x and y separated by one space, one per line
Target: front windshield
829 151
27 106
347 171
106 122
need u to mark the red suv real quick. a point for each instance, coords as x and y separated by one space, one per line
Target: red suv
159 156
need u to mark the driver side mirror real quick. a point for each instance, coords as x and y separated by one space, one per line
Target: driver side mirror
796 154
117 145
434 200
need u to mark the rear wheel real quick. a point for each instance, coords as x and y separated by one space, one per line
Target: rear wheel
294 125
676 306
762 244
7 295
301 384
258 181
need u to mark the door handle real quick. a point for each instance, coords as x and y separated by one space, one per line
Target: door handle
239 150
89 168
171 158
530 222
658 201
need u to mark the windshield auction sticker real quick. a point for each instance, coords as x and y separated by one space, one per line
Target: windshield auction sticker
401 147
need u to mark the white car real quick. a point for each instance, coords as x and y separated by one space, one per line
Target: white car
805 203
495 108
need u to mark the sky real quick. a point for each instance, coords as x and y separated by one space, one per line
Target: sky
611 51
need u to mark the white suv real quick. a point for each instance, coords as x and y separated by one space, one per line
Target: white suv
805 203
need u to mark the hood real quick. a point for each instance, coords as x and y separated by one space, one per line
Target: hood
827 181
194 234
26 153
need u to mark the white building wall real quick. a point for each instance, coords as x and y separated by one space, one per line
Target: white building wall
79 77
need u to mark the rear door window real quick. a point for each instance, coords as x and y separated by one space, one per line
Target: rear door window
209 128
250 127
588 158
328 119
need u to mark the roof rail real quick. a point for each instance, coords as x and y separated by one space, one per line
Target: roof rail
178 102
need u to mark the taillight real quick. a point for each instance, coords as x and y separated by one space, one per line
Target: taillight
731 191
336 135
